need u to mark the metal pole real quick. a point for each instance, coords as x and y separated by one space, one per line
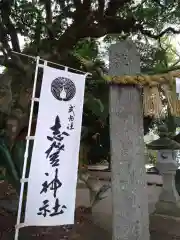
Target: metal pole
26 153
57 64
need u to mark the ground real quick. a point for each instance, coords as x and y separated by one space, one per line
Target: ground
83 229
80 231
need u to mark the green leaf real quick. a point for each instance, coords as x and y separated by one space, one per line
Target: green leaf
94 105
177 121
84 132
7 162
99 195
17 154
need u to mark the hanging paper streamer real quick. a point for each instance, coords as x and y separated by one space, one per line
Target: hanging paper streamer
152 103
54 164
178 87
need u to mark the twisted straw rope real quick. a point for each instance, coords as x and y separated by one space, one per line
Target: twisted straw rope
153 80
152 102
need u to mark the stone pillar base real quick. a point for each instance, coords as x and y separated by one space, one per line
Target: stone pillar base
168 208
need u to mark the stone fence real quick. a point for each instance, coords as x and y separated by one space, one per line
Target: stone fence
102 211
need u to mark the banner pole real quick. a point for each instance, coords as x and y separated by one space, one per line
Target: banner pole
57 64
26 153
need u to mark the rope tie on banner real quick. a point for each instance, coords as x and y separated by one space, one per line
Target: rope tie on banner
24 180
20 225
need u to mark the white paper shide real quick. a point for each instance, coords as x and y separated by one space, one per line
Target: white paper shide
54 163
178 87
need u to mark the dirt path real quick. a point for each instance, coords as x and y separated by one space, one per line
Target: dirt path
83 229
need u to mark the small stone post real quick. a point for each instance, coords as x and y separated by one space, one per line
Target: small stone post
129 185
169 200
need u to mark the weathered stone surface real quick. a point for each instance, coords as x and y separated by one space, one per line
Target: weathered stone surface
129 190
169 200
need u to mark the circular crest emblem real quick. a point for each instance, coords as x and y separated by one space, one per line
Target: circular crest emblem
63 89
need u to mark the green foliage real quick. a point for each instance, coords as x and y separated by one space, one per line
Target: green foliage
157 13
17 154
151 157
12 161
6 162
98 195
61 31
171 124
94 105
87 48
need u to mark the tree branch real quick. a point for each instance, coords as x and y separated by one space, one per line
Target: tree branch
170 69
48 12
88 28
3 61
70 37
101 5
117 25
14 37
4 38
157 36
175 64
48 4
86 5
138 5
114 6
158 2
5 13
77 4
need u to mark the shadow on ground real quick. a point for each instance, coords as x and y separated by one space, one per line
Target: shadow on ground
83 229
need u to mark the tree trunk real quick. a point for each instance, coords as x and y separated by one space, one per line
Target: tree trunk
129 188
15 96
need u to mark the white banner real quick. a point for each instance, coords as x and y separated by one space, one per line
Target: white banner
54 164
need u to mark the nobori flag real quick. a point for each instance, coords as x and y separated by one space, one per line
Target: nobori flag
54 164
